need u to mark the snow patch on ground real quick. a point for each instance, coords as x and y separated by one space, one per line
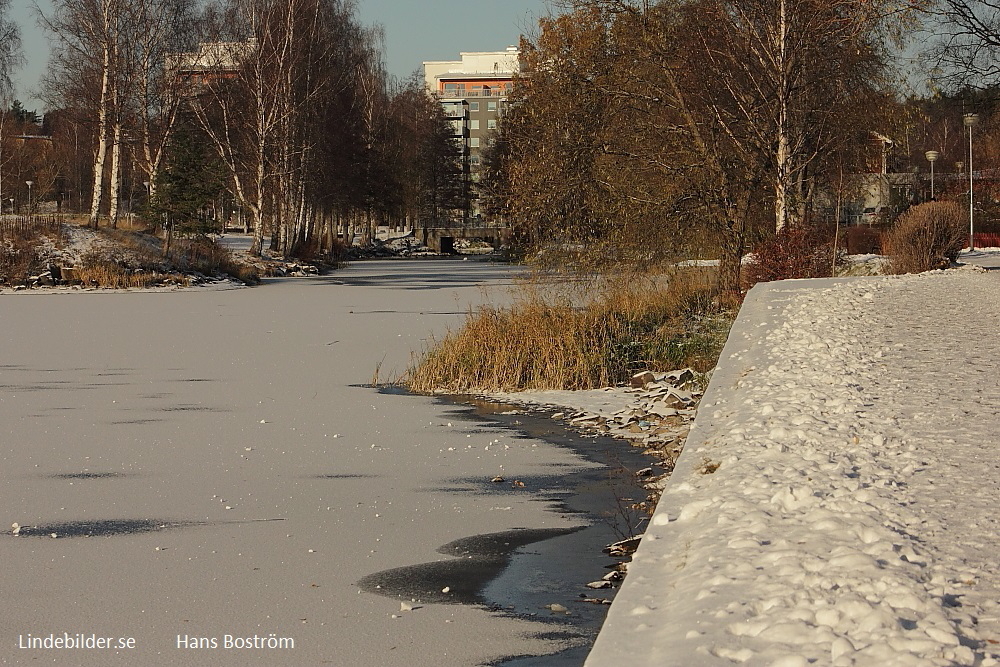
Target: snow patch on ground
836 502
985 257
655 413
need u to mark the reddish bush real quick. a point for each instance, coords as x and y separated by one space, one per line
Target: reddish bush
862 241
800 252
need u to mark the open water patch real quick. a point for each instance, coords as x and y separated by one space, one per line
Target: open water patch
99 528
477 560
115 527
343 475
545 577
88 475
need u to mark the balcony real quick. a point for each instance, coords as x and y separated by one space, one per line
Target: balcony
461 92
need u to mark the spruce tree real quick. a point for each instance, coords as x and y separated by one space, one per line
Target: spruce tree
189 182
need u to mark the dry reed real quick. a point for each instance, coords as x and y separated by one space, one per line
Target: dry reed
115 276
579 335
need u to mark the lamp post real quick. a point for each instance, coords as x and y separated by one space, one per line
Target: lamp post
970 120
932 156
29 184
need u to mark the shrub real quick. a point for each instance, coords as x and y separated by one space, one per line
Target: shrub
794 252
927 237
598 336
22 244
862 241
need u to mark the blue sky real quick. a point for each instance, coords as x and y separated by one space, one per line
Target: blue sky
415 31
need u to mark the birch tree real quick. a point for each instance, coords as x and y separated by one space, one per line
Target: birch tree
86 56
10 58
10 51
282 77
160 28
791 68
616 107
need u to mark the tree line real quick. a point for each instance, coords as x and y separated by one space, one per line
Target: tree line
644 128
638 128
279 112
652 130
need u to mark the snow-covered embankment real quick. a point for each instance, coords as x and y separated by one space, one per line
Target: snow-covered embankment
835 503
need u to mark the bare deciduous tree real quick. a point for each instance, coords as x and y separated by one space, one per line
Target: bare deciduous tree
965 43
616 95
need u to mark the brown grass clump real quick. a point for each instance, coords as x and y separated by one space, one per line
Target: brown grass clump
582 335
115 276
927 237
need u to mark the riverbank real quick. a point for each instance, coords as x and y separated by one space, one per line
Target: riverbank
835 503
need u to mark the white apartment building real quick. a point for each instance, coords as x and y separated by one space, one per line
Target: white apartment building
473 92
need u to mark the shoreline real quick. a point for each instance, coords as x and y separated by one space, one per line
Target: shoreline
532 574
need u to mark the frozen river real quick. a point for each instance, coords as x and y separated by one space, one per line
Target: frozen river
203 477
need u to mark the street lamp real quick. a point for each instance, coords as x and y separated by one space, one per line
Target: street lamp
932 156
29 184
970 119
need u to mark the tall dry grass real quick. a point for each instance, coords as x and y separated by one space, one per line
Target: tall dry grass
115 276
579 335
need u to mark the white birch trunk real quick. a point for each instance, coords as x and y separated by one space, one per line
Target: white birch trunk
784 151
102 139
114 192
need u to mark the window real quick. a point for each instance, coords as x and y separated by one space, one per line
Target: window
474 142
491 106
473 106
473 124
474 160
490 124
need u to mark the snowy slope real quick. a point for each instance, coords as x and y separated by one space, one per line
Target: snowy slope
852 517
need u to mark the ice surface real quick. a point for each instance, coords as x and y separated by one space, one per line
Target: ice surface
130 423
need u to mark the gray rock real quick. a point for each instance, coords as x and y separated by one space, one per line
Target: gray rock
639 380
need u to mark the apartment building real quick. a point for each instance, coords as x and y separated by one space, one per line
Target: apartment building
211 62
473 92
